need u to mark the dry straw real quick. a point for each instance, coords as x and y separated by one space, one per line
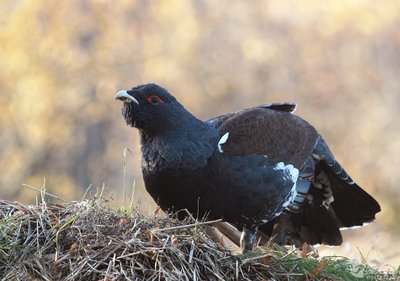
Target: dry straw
87 241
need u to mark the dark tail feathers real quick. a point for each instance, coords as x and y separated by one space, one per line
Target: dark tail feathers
352 205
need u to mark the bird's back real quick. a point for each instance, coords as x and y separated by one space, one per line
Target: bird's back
270 130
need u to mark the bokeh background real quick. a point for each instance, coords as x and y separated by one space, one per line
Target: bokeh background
61 62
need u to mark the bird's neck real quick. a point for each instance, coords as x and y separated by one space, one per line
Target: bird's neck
188 143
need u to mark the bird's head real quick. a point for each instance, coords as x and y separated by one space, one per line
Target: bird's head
149 107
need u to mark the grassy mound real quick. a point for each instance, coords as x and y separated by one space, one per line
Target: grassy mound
87 241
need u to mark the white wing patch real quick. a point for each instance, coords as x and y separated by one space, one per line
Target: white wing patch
223 140
279 166
293 172
291 196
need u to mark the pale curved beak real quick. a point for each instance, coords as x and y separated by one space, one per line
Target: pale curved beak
125 97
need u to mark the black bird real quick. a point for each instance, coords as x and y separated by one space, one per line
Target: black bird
257 168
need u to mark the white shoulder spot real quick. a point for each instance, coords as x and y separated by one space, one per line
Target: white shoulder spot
291 170
279 166
294 173
223 140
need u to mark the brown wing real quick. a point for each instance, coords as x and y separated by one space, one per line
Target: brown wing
268 130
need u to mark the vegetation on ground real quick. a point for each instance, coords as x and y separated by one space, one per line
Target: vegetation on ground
88 241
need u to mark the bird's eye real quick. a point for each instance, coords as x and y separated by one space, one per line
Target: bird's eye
154 99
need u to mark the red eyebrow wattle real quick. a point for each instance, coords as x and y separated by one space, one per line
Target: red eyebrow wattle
150 98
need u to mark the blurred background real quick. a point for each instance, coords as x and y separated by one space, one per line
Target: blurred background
63 61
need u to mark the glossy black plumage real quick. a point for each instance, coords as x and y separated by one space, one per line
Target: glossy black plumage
261 166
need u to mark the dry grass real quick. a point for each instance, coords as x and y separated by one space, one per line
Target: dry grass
87 241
